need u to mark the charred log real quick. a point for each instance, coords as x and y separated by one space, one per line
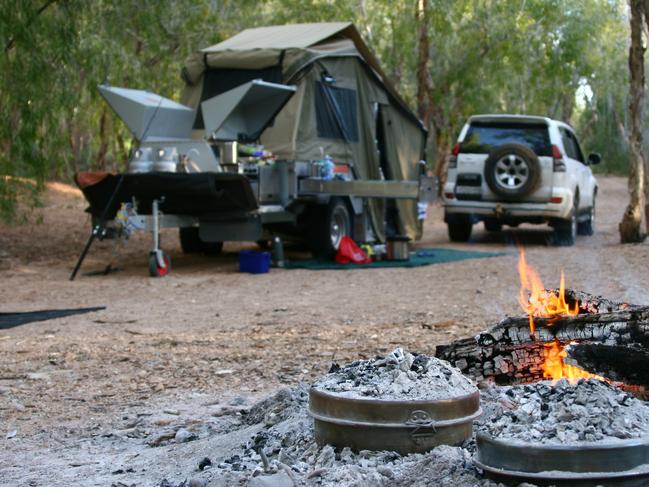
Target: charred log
508 354
621 364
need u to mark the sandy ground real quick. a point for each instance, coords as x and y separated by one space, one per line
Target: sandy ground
207 336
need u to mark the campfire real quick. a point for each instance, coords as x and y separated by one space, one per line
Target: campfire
539 302
564 334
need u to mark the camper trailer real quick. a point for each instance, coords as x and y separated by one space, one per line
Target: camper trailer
290 131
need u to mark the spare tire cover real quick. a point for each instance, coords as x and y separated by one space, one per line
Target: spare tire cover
512 171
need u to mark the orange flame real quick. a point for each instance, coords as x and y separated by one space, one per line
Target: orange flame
555 368
536 301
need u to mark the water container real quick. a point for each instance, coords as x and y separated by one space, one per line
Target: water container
328 168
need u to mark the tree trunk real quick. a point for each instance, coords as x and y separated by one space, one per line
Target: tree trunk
121 161
442 133
646 160
631 225
100 161
423 78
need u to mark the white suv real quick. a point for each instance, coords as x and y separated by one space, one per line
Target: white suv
511 169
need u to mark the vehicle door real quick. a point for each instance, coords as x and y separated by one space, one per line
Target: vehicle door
578 172
588 184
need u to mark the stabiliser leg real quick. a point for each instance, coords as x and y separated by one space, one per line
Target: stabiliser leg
98 231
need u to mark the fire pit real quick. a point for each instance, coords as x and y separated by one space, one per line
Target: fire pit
403 402
589 432
559 376
566 334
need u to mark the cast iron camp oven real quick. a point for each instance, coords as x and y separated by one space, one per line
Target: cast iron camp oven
392 425
623 463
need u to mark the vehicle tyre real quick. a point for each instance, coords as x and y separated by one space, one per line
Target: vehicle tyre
329 224
459 227
493 225
512 171
565 231
155 269
587 227
191 243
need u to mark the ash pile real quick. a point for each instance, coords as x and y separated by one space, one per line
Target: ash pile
284 453
276 446
398 375
588 411
281 449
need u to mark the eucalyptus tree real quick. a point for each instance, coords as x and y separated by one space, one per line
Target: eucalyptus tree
35 42
631 225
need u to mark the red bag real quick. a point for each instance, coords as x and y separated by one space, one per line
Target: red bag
350 253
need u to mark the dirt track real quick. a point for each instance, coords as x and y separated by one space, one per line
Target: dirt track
207 334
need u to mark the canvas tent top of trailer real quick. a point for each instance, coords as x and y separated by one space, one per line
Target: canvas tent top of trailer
292 47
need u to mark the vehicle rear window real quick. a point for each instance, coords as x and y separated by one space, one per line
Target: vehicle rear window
483 136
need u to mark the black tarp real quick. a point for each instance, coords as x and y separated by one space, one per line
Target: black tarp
10 320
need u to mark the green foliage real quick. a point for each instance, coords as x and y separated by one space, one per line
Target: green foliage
485 56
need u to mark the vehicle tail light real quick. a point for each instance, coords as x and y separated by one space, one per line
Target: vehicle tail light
452 161
556 199
449 196
558 164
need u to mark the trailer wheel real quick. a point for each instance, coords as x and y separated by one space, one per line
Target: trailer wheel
329 225
155 269
191 242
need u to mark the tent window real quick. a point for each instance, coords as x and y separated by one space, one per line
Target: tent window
336 113
219 81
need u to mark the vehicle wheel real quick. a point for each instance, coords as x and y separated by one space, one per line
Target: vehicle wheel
191 243
512 171
565 231
459 227
329 225
493 225
155 269
587 227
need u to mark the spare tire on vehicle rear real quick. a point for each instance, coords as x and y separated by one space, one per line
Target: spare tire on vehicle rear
512 171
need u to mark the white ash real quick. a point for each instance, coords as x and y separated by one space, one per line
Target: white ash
588 411
397 376
282 451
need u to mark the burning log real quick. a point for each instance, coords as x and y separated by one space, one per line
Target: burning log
606 338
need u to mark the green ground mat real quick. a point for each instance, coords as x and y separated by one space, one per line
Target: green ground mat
418 258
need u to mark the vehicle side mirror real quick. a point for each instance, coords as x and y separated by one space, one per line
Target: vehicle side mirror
594 158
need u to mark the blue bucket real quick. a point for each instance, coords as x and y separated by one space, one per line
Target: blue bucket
254 262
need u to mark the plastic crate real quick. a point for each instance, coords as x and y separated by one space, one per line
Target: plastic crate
254 262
